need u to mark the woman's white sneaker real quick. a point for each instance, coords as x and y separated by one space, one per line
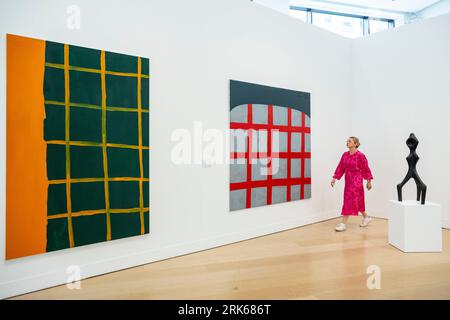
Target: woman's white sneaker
340 227
365 222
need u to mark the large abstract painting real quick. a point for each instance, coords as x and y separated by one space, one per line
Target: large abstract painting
270 145
77 146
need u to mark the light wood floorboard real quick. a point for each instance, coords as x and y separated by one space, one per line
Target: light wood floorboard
310 262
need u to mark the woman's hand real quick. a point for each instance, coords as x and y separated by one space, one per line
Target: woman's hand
333 182
369 185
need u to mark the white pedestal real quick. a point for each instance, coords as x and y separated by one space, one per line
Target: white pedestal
414 227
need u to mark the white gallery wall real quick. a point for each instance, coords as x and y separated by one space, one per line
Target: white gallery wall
401 84
279 5
440 7
194 47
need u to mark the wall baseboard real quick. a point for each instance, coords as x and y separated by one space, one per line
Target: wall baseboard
52 279
445 222
378 215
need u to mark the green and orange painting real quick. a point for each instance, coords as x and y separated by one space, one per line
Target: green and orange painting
77 167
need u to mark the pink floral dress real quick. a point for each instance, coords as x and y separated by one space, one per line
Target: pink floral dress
356 168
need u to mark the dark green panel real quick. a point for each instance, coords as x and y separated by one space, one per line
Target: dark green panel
54 123
56 161
54 84
56 199
85 124
146 160
147 222
146 193
124 194
89 229
122 127
121 91
145 66
145 129
123 162
85 87
121 62
88 196
84 57
54 52
86 162
57 234
145 93
125 225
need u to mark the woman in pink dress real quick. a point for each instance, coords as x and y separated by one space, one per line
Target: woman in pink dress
356 168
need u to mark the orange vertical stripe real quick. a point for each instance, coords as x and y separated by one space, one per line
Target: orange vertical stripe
26 180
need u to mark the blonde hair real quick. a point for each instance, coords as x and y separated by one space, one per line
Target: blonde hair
356 141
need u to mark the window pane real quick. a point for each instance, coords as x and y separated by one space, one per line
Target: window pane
376 26
300 14
345 26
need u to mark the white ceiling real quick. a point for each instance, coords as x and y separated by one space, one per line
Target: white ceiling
388 5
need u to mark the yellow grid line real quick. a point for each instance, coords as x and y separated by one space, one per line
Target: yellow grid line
105 154
82 69
93 106
141 166
94 212
67 140
87 180
95 144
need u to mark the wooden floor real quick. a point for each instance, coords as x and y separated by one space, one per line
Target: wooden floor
310 262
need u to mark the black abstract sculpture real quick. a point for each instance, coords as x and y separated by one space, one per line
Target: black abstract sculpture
412 159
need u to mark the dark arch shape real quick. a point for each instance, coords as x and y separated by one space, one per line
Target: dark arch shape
245 93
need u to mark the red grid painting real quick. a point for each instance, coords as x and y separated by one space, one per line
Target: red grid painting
295 187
